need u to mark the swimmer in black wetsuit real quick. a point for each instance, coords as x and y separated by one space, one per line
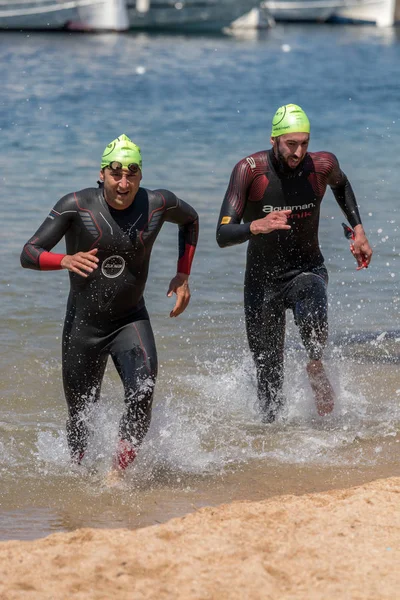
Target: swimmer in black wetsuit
109 233
277 193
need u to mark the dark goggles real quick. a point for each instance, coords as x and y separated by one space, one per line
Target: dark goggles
117 166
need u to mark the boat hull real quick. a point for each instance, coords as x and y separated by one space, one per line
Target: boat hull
300 10
379 12
46 15
192 15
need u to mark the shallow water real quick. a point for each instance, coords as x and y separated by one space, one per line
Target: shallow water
196 105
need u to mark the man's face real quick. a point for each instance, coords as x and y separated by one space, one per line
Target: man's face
291 148
120 186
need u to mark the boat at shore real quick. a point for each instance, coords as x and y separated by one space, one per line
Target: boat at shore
186 15
78 15
122 15
300 10
380 12
383 13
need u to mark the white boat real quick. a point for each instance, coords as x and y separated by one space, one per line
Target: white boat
186 15
300 10
383 13
379 12
85 15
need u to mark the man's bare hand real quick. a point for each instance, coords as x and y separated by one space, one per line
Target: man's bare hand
179 285
360 248
82 263
275 220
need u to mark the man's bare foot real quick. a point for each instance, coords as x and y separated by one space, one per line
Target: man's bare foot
320 385
114 478
125 455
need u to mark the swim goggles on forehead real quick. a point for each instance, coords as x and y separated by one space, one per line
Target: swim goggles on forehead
115 165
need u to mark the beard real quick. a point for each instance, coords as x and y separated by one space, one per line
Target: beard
283 162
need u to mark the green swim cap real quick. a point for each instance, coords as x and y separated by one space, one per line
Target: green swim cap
290 119
124 151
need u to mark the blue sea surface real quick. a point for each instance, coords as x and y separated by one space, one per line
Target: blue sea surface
196 105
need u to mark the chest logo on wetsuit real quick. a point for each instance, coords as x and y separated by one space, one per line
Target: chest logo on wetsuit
113 266
267 208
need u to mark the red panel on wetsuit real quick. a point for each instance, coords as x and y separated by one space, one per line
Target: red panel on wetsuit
48 261
185 263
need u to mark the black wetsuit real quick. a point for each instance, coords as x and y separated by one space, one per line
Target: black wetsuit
285 268
106 313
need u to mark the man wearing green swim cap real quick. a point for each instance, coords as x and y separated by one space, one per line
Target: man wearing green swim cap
273 201
109 233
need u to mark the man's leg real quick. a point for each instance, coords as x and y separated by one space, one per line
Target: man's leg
135 357
265 326
83 372
307 297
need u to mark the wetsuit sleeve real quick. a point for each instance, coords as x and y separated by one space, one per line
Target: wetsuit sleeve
36 252
229 230
179 212
344 194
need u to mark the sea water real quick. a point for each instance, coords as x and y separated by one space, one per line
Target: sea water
196 105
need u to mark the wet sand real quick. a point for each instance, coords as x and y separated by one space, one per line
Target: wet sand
62 505
335 544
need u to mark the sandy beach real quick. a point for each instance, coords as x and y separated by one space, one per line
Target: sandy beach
340 544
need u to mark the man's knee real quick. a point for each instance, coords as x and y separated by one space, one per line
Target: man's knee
139 389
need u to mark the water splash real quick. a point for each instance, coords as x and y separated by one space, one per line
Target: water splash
205 421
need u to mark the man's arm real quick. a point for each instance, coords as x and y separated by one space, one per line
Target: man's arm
229 229
344 194
36 253
345 197
179 212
